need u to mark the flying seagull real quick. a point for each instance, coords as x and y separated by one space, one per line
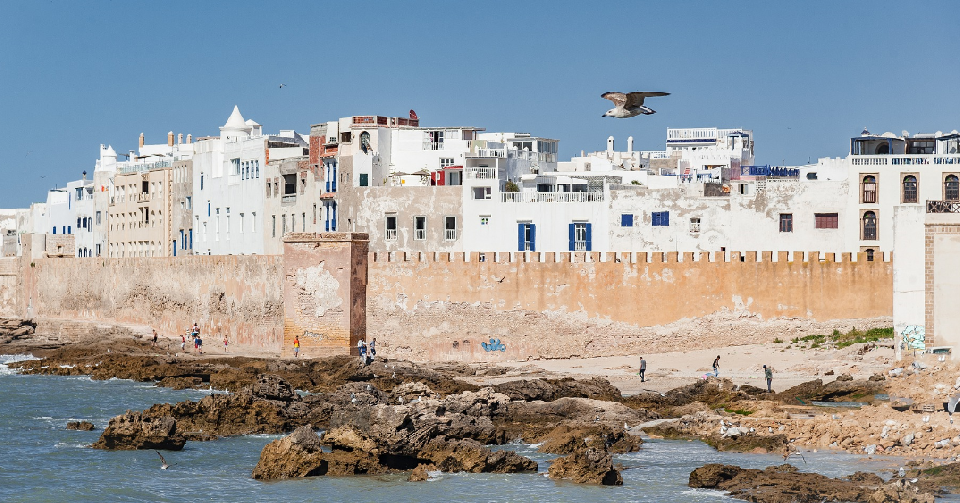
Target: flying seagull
282 86
629 104
163 462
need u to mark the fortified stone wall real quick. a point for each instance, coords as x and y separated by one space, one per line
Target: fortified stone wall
238 296
438 306
8 287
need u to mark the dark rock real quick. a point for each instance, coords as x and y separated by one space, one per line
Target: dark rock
138 430
548 390
80 425
587 466
272 387
753 443
566 439
845 377
420 473
468 455
785 484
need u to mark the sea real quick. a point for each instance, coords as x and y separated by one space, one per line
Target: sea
42 461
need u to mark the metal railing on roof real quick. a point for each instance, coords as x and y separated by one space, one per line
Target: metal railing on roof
943 206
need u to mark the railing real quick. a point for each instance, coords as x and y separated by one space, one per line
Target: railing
699 133
420 234
943 206
489 152
552 197
654 154
450 234
291 198
391 234
136 168
903 159
481 173
433 145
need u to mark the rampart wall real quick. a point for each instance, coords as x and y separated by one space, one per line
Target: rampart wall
238 296
447 306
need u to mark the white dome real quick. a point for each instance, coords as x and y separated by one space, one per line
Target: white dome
235 121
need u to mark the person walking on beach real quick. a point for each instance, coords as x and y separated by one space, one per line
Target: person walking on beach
224 343
199 344
296 346
768 373
183 342
643 369
716 366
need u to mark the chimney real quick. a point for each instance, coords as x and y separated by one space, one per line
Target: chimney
170 139
141 140
179 138
630 144
133 156
610 144
189 138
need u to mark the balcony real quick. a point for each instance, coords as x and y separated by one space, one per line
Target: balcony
391 235
904 160
481 173
552 197
943 206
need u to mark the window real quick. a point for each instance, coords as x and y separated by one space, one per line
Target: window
826 221
454 177
870 252
364 180
345 137
145 187
485 220
951 188
208 208
580 236
869 226
227 227
314 213
98 218
201 181
661 218
695 225
869 195
786 222
626 220
909 189
527 236
481 192
283 220
189 203
450 228
419 228
268 189
391 228
236 166
273 232
434 140
241 226
253 221
289 184
446 162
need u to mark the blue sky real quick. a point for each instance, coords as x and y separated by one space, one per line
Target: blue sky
805 76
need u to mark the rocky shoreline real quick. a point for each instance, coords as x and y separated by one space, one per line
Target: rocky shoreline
343 418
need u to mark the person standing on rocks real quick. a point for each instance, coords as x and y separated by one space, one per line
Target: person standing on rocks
154 337
362 349
224 343
296 346
768 373
716 366
373 349
183 343
643 369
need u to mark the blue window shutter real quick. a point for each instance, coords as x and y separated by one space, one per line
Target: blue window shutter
666 218
573 237
626 220
589 242
69 230
191 239
655 218
520 236
174 247
533 237
54 229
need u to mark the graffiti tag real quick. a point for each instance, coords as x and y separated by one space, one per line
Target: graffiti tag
493 345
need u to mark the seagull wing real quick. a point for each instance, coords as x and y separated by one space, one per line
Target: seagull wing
618 99
164 461
636 99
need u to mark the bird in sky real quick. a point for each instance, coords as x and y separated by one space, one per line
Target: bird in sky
629 104
282 86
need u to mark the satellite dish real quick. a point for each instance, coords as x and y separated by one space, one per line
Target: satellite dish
905 133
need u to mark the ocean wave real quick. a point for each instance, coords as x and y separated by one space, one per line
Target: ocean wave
5 359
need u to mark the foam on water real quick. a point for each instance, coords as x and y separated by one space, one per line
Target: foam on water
7 359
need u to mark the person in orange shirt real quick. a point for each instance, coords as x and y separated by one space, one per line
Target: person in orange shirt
296 346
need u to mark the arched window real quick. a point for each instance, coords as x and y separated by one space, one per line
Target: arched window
870 253
869 189
883 149
909 189
951 188
869 226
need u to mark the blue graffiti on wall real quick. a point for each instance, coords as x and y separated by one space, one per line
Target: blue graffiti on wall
493 345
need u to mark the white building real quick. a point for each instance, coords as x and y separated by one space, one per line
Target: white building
229 185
